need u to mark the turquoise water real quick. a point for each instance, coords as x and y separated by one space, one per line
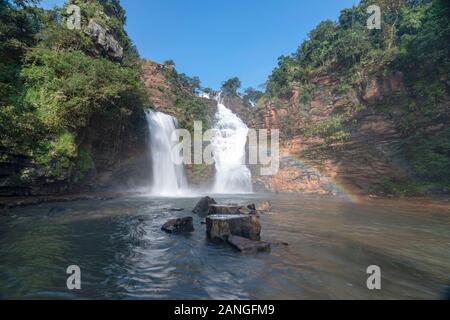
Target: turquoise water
123 254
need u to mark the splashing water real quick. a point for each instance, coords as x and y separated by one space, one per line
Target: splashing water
169 179
232 176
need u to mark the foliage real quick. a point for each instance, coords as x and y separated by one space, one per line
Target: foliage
67 88
192 84
53 81
429 155
331 130
251 95
231 86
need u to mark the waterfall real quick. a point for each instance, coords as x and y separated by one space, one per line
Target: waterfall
169 179
230 139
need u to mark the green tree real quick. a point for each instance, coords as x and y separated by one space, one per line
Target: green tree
252 95
231 86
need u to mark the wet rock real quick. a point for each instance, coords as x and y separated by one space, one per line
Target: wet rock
220 227
179 225
247 211
248 246
216 209
280 244
202 206
55 211
264 206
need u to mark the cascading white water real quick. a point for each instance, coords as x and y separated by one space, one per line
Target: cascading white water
232 175
169 179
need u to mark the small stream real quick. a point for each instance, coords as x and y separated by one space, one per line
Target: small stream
123 254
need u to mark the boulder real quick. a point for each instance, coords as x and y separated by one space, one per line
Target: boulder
105 40
202 206
217 209
248 246
264 206
179 225
220 227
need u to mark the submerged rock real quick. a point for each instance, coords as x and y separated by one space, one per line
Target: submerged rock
264 206
202 207
248 211
248 246
216 209
220 227
55 211
179 225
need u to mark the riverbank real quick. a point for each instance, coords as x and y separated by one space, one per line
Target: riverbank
7 203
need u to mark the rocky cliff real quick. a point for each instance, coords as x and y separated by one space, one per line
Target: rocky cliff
339 141
169 94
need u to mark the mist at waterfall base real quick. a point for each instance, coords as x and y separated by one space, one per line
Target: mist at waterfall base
228 145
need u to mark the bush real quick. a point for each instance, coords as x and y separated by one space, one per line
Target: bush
331 130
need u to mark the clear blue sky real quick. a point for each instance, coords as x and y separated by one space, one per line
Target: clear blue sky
220 39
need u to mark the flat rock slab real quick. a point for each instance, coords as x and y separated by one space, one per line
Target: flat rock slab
181 225
217 209
202 207
220 227
248 246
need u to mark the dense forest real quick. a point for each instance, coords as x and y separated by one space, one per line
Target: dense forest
54 82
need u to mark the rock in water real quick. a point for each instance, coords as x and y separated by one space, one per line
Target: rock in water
248 246
202 206
179 225
55 211
264 206
216 209
220 227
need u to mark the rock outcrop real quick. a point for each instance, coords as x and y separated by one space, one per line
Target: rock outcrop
220 227
104 40
182 225
358 162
